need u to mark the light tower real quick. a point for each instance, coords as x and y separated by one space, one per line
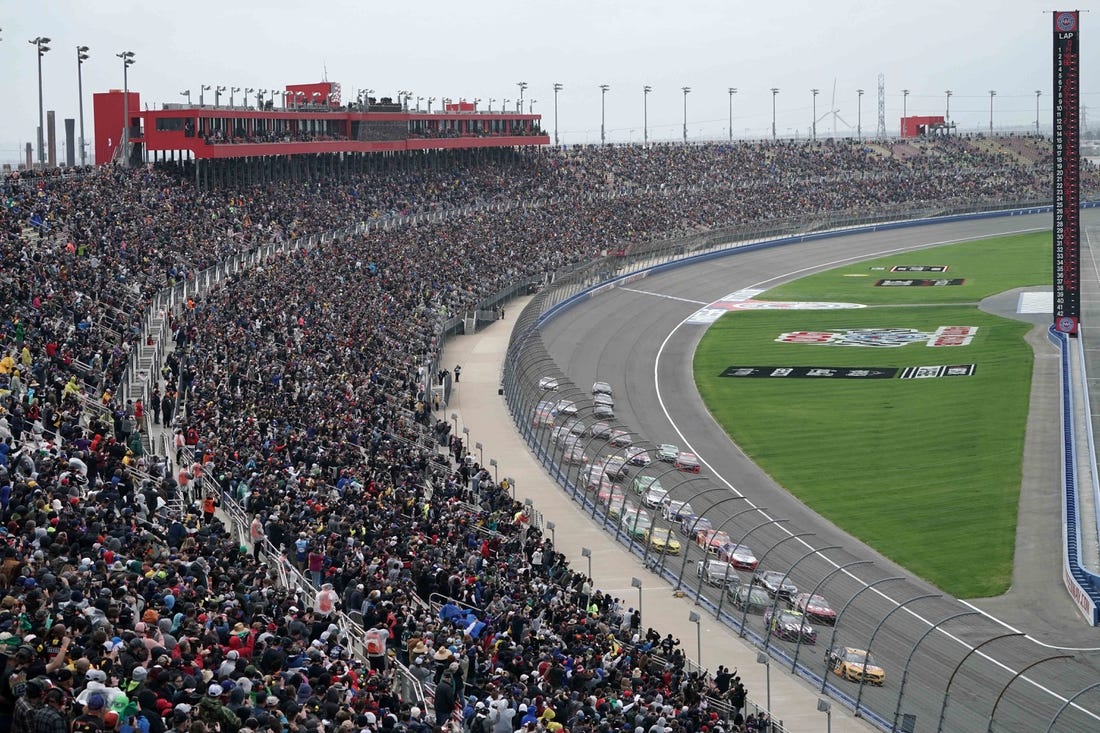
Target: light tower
127 61
686 90
881 106
81 57
557 88
603 109
732 91
775 91
813 129
41 45
859 115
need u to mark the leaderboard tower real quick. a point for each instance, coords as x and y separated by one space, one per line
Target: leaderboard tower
1067 197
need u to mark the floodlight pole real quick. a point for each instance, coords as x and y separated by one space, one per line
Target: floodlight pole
557 88
813 129
732 91
859 115
603 98
686 90
775 91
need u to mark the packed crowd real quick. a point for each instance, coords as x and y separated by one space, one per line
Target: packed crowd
294 386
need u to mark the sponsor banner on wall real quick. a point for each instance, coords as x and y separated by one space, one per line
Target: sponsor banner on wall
814 372
919 268
883 337
932 372
908 283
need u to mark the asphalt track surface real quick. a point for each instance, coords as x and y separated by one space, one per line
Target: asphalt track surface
634 338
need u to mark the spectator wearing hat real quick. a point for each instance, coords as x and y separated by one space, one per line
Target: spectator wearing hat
26 705
90 719
419 670
50 716
445 695
213 711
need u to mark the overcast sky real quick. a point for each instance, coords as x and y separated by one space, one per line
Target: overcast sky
482 49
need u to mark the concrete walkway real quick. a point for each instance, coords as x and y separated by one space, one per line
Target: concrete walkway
483 411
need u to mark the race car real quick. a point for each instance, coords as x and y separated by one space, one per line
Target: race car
691 524
815 607
662 540
575 426
855 665
575 454
614 468
594 478
566 407
636 457
620 439
543 414
618 505
688 462
603 399
603 412
600 430
789 626
610 495
711 539
717 572
636 522
667 452
655 496
740 556
601 388
676 511
548 384
751 597
776 583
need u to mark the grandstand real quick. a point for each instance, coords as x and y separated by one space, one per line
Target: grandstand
304 325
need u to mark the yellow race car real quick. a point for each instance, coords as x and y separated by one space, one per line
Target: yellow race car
662 540
855 665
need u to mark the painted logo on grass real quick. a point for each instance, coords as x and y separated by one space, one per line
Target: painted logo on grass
919 268
813 372
907 283
933 372
883 337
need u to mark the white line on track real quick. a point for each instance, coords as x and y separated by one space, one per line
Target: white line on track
669 297
781 527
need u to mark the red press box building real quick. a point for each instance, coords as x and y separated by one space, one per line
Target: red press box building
924 126
307 130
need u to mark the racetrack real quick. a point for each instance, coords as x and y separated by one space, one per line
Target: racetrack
633 337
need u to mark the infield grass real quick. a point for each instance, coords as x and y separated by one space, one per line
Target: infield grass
926 471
